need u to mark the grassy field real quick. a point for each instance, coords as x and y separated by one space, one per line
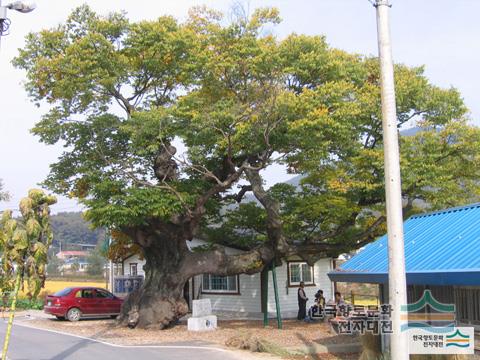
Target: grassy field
366 301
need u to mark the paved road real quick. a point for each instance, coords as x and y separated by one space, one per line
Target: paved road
35 344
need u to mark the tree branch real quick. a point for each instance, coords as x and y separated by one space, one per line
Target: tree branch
239 196
272 207
217 262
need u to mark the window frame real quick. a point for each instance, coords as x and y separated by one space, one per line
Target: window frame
297 284
133 265
82 293
221 292
100 291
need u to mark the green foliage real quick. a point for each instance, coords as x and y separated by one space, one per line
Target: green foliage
54 266
96 263
25 242
70 228
75 267
242 227
231 96
29 304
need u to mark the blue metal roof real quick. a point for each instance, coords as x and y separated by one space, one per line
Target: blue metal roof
441 248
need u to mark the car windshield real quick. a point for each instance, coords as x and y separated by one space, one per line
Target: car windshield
63 292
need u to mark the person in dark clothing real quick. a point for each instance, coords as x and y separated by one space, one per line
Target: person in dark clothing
302 302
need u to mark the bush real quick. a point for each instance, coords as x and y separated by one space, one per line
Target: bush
27 304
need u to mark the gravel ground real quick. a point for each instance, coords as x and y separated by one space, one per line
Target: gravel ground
326 357
294 333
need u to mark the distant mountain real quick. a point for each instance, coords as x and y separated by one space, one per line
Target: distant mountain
70 229
411 131
295 181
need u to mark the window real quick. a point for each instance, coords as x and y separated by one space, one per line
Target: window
300 271
63 292
220 284
85 294
103 294
133 269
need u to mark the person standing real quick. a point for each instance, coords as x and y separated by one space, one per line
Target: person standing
302 302
340 304
339 299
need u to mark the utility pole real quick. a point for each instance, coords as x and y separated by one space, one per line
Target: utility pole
3 21
397 287
111 277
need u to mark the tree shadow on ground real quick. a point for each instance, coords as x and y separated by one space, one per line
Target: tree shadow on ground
308 343
325 342
79 345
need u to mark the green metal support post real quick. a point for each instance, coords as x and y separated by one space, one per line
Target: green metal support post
277 302
264 289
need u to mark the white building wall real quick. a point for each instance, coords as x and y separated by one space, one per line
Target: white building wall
288 295
249 299
134 259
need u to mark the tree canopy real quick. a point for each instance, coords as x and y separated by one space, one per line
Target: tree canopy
167 125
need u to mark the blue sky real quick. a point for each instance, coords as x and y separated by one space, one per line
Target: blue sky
442 35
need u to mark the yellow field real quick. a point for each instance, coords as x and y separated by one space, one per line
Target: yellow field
52 286
366 302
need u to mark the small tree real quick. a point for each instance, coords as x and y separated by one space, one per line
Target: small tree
54 266
96 262
25 243
75 267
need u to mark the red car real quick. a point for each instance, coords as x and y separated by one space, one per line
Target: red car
73 303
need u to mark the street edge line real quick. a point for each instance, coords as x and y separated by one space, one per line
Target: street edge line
125 346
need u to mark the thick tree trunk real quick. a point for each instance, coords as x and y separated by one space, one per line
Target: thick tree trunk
159 302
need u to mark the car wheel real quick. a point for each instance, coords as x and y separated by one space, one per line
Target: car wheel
74 314
60 317
113 316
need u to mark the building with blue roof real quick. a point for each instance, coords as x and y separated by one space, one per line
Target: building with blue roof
442 253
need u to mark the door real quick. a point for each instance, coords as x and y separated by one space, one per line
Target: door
133 269
107 302
86 301
186 294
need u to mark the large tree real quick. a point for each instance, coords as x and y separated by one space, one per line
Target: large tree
168 125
